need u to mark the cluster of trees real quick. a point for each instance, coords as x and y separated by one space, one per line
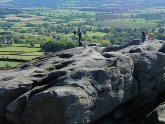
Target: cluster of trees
4 25
150 16
5 11
56 45
161 34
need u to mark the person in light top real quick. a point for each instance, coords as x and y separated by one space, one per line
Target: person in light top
144 37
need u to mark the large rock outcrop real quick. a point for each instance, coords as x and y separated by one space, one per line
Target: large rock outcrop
85 85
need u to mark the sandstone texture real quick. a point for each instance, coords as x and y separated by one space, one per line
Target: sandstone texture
87 85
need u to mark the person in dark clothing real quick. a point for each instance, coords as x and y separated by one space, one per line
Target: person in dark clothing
78 32
143 38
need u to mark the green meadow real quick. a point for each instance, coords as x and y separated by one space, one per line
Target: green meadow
17 54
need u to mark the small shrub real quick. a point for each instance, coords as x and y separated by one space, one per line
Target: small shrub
7 66
54 46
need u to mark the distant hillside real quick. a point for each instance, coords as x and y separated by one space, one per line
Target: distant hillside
59 3
5 0
5 3
36 2
129 4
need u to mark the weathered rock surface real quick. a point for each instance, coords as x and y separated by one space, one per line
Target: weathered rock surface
157 116
86 85
162 49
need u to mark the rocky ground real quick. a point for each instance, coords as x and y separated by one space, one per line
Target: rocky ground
88 85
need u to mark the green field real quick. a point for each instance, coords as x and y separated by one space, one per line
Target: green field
9 64
60 12
19 57
91 34
19 49
18 52
117 23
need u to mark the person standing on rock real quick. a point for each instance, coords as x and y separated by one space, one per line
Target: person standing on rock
78 32
144 37
147 37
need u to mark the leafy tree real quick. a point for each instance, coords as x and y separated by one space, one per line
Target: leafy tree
54 46
161 36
